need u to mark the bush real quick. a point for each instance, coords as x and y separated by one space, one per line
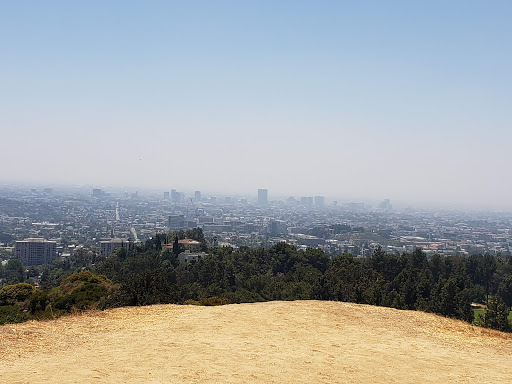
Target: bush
77 280
191 302
115 299
10 314
39 301
209 302
15 294
87 296
212 301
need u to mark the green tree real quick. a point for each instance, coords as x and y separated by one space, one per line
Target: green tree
505 291
177 248
14 272
496 315
488 268
83 290
448 303
16 294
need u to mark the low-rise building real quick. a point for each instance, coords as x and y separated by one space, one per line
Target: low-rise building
189 256
108 246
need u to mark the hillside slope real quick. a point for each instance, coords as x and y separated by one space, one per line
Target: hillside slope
274 342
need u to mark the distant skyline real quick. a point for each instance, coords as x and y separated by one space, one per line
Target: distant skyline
144 192
359 100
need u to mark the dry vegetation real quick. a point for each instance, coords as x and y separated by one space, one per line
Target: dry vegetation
273 342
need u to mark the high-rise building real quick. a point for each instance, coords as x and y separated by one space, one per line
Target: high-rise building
175 196
306 201
166 195
386 204
319 201
97 192
176 222
263 196
35 251
278 227
197 196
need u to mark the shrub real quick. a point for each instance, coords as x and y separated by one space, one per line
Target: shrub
212 301
191 302
16 293
39 301
10 314
77 280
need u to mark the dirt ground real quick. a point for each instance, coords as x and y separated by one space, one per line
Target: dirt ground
275 342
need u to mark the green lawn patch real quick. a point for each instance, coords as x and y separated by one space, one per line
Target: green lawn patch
481 311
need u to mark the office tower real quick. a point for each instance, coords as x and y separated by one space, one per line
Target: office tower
263 196
306 201
386 204
166 195
278 227
178 198
175 196
97 192
176 222
319 201
35 251
197 196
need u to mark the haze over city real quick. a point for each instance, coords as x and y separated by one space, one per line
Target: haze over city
367 100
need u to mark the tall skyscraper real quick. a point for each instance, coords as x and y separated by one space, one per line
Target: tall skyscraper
386 204
319 201
306 201
175 196
262 196
197 196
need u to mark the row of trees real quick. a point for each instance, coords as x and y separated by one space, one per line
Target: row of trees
151 273
446 286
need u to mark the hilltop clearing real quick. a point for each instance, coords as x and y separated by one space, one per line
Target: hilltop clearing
273 342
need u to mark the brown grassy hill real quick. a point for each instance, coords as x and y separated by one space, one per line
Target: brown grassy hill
275 342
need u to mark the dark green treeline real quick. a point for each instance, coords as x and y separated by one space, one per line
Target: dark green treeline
151 273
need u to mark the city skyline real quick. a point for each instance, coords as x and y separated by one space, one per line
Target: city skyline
102 221
219 196
358 101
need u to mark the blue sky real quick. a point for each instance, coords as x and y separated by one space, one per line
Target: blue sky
405 100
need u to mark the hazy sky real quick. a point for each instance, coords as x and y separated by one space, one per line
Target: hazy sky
355 99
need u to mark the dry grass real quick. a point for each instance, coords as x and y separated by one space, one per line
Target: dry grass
275 342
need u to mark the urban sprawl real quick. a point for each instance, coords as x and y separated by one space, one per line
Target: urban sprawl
38 225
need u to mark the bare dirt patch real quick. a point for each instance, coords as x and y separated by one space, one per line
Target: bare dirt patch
275 342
